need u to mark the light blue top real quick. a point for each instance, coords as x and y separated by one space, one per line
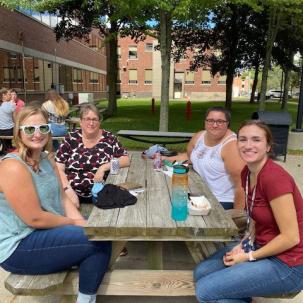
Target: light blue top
6 115
12 228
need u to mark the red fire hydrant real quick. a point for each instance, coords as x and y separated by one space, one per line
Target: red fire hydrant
153 110
188 109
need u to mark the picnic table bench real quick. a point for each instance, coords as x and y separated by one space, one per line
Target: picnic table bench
155 136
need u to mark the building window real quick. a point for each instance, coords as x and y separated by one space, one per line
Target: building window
149 47
20 75
148 76
13 56
119 52
118 76
93 78
189 77
133 76
132 52
36 74
8 74
206 77
222 80
77 76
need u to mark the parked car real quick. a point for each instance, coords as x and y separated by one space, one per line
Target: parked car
275 94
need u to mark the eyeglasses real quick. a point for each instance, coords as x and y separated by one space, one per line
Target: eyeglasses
218 122
88 120
30 130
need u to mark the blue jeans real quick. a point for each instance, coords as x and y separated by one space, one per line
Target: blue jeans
57 249
239 283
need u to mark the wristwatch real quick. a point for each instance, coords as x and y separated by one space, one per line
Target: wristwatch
250 256
66 188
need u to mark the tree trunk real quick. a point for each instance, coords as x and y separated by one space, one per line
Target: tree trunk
233 46
287 75
229 89
255 82
285 89
112 69
165 49
273 26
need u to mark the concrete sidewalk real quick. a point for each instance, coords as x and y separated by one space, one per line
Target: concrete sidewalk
176 257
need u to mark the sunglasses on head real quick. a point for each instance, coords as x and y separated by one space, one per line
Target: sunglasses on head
30 130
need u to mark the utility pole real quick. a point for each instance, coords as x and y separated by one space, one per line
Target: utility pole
21 39
300 104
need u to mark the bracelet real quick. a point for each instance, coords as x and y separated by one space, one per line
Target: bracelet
250 256
66 188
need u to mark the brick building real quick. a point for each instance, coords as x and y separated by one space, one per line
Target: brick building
32 62
140 74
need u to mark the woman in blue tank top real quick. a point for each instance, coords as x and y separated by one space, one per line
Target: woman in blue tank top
41 230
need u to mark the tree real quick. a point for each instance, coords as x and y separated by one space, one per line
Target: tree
278 12
164 14
288 42
220 42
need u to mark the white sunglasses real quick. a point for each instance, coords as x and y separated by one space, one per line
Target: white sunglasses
30 130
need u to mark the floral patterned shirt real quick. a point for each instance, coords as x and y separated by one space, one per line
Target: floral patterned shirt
81 163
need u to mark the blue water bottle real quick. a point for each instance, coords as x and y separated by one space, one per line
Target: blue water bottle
179 193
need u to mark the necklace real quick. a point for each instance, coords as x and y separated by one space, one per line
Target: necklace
253 196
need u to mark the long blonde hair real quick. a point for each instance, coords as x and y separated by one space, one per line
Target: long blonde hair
24 152
61 106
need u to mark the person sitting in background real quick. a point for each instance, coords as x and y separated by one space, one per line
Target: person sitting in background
84 156
41 230
214 155
269 259
19 103
7 109
57 109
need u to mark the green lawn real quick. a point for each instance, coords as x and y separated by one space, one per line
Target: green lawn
136 114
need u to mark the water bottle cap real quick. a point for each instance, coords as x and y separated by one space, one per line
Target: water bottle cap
180 169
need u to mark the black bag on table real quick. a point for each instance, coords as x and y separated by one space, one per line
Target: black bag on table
113 196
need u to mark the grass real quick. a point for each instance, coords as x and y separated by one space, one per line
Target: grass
136 114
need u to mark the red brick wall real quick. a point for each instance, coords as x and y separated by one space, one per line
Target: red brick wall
144 61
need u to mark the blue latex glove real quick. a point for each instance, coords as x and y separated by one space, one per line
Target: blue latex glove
97 187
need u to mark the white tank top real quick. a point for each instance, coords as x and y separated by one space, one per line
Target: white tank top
208 163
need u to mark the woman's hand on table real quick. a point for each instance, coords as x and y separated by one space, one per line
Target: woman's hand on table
71 194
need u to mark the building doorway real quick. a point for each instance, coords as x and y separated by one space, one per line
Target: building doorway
178 85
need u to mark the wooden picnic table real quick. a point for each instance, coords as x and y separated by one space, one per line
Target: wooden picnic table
150 218
155 136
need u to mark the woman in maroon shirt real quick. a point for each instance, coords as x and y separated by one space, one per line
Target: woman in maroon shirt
269 260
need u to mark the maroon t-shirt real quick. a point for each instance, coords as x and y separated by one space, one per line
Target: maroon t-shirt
273 181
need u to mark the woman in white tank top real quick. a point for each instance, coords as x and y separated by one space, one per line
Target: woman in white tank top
215 157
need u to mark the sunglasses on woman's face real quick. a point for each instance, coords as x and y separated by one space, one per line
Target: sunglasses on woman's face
30 130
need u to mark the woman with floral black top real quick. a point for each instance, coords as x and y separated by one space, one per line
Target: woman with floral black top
84 156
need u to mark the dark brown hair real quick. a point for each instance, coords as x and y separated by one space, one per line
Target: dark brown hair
220 109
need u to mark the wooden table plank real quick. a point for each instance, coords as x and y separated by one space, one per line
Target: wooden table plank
106 220
159 222
132 219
